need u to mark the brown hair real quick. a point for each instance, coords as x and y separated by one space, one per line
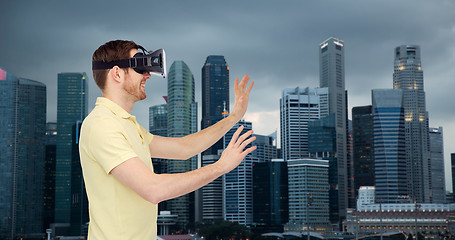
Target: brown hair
108 52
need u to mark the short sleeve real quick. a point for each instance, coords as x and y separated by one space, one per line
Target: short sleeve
108 145
148 137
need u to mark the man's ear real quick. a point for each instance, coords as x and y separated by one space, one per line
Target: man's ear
116 73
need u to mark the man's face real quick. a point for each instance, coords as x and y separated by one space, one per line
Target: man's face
135 82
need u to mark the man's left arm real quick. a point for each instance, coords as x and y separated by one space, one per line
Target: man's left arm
188 146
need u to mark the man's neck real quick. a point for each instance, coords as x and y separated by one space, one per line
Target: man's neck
123 102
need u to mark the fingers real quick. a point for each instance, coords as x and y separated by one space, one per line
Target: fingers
242 85
249 88
248 151
243 137
242 141
246 142
235 152
244 82
236 135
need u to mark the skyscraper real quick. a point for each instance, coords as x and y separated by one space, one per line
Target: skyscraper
212 194
72 106
158 120
158 126
389 145
49 174
298 107
270 194
408 76
452 164
181 121
308 195
22 144
266 149
362 125
79 202
322 137
331 76
215 95
438 186
238 184
322 145
349 158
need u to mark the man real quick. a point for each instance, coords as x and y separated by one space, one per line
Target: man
116 151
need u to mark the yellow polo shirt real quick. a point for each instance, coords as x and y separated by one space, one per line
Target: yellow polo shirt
109 137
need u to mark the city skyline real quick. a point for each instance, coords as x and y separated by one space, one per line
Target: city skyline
277 53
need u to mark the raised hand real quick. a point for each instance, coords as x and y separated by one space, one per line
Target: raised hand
234 153
241 96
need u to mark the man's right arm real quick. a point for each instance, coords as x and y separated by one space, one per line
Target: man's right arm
193 144
156 188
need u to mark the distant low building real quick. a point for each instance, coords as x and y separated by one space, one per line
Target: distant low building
374 218
165 220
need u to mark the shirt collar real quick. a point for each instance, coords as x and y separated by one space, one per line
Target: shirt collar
114 107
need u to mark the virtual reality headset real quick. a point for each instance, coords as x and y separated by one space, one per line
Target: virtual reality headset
141 62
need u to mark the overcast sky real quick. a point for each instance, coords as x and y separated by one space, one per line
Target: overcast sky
275 42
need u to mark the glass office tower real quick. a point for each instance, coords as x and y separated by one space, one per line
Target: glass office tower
215 101
72 106
322 145
79 202
158 120
389 145
215 95
158 126
49 174
22 144
181 121
270 195
363 150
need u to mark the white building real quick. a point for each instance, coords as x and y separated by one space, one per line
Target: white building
297 108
